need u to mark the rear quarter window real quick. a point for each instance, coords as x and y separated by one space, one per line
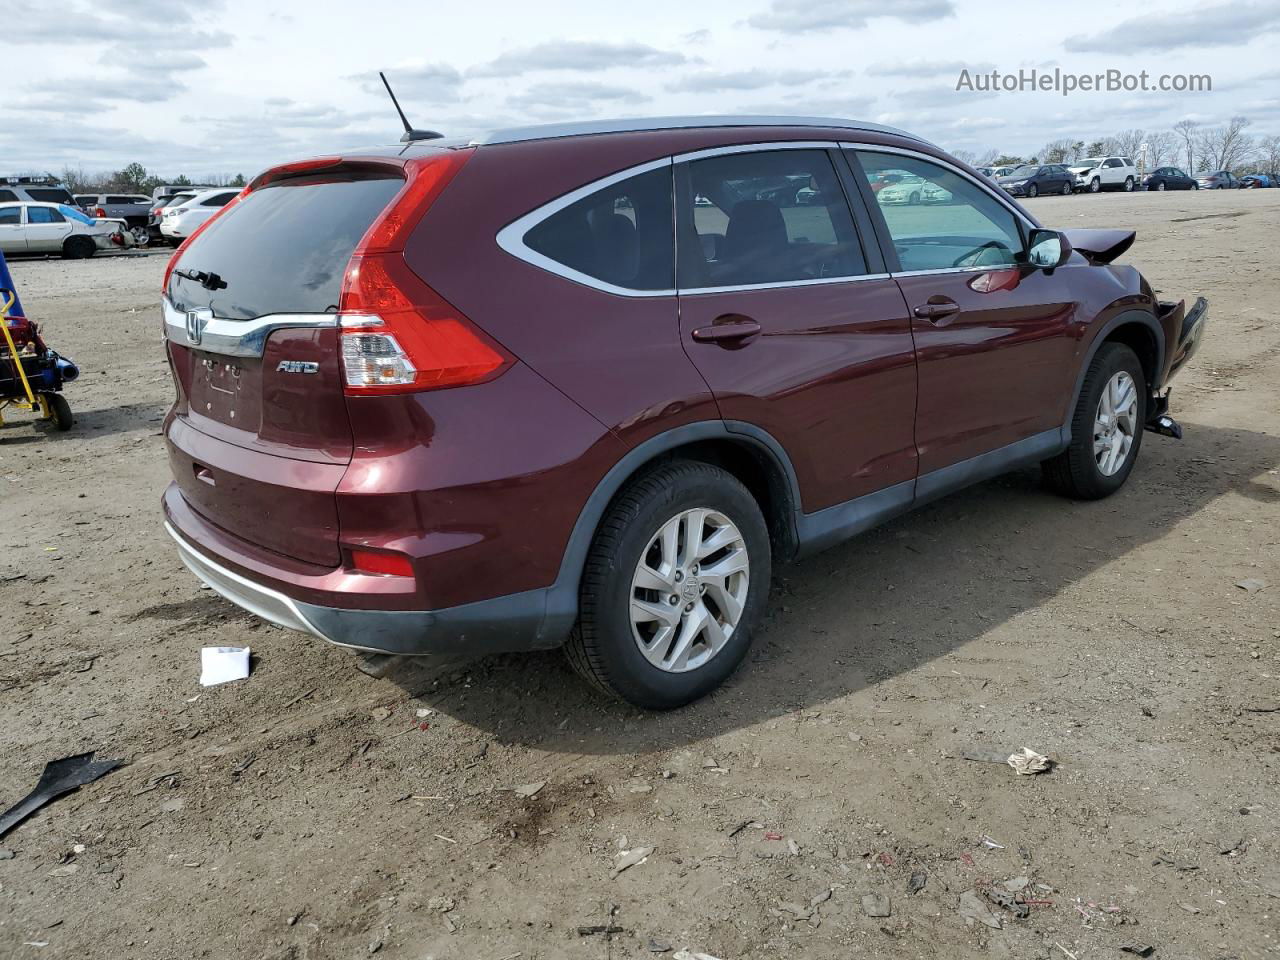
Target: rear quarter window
51 196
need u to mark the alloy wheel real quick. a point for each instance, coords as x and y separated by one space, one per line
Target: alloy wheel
1115 423
689 590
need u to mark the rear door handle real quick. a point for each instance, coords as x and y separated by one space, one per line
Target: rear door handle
938 308
728 329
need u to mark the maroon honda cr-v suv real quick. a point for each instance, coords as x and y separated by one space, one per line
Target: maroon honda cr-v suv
588 384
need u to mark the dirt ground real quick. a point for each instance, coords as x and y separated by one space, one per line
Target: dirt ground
313 812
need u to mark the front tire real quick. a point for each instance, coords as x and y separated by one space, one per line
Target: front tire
689 531
1160 185
1066 189
1106 427
1128 184
1033 191
1095 185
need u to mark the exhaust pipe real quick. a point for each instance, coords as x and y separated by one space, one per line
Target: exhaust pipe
67 370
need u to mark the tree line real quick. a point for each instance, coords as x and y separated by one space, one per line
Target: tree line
1195 148
135 178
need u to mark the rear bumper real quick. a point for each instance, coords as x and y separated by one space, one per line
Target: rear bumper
499 625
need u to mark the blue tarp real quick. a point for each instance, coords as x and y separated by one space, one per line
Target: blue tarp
6 283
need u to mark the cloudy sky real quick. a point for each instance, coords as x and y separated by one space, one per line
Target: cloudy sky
201 86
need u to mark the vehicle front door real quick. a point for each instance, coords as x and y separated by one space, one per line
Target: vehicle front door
790 317
995 339
46 229
13 233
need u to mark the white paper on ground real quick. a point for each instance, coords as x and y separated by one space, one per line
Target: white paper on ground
221 664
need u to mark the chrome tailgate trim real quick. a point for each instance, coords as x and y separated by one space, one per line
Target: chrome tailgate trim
201 330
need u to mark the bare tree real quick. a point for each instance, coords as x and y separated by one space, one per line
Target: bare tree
1058 151
1126 143
1269 154
988 157
1186 129
1162 148
1228 146
965 156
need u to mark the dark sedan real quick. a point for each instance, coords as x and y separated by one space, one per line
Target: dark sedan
1169 178
1219 180
1031 180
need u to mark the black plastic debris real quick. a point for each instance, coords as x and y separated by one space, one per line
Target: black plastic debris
59 777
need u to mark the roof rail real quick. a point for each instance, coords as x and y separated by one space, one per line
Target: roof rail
550 131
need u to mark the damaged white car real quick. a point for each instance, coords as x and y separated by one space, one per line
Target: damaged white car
59 228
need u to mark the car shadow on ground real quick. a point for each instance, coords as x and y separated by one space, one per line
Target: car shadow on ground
882 604
22 427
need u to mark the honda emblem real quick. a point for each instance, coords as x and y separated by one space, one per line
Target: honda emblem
196 321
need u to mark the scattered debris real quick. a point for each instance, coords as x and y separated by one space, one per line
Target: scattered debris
876 905
605 930
375 946
66 870
989 843
792 847
380 713
1189 908
916 882
1141 950
6 854
1265 706
1028 762
528 790
972 907
658 946
1251 585
687 954
1003 898
740 827
223 664
1016 884
630 858
59 777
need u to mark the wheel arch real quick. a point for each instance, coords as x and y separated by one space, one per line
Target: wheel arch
1140 331
748 452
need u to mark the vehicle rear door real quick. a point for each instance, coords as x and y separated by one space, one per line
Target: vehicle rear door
260 437
994 339
13 232
46 229
791 318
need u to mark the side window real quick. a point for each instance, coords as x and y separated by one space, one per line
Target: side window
10 215
1114 162
51 196
7 196
776 216
219 200
119 200
952 222
620 234
44 215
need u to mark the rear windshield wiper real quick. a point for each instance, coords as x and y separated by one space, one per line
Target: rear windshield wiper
210 281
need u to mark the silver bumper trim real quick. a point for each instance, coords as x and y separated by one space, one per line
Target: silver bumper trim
261 601
233 338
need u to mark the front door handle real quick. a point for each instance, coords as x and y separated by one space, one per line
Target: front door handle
937 309
730 329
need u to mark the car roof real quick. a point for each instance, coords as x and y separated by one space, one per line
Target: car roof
583 128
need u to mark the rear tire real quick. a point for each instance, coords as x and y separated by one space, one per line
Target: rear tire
635 657
60 410
1086 470
1160 185
1033 191
1066 189
79 248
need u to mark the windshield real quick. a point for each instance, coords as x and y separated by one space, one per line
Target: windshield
1026 170
1088 162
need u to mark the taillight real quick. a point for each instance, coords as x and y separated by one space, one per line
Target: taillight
99 212
399 335
387 564
173 261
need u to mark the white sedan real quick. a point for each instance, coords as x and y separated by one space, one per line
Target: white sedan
58 228
179 220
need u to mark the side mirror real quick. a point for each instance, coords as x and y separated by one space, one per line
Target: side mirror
1048 249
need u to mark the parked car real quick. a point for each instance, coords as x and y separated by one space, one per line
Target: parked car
1033 179
1104 173
133 209
1219 180
169 189
1251 181
157 211
58 228
179 220
899 187
380 439
998 172
25 189
1169 178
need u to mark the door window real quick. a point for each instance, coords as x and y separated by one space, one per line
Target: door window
948 222
44 215
776 216
10 215
621 234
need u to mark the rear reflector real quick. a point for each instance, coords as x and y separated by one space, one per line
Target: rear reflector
387 564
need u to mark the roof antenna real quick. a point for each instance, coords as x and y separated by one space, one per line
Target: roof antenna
410 134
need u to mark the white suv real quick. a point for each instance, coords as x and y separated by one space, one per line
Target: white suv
1104 173
179 220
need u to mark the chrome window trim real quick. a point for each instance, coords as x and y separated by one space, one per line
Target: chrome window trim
511 237
767 147
819 281
999 195
552 131
236 338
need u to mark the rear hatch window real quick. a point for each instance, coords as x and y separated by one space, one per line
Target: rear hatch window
283 248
